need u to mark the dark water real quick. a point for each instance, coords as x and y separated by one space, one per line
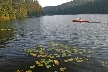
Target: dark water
15 35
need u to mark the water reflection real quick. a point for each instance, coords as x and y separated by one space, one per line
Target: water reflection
6 33
32 32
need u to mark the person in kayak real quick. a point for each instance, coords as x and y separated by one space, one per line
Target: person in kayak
79 19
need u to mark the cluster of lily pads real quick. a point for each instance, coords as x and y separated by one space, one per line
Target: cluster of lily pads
51 57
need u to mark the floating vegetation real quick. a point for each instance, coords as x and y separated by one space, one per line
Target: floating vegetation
29 71
62 69
103 63
5 29
32 66
56 53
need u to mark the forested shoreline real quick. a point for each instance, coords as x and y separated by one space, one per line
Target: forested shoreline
14 9
91 7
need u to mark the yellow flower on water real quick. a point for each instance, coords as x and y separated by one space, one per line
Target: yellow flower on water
88 56
65 60
75 50
34 54
58 50
103 63
40 65
49 49
50 60
56 62
9 29
39 56
48 66
52 43
2 29
69 55
87 59
62 68
56 44
58 56
64 54
29 71
71 59
37 62
43 56
42 53
52 57
55 54
79 59
18 70
32 66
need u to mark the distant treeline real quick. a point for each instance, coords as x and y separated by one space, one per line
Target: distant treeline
13 9
92 7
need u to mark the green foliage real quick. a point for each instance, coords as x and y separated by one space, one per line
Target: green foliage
91 7
33 8
13 9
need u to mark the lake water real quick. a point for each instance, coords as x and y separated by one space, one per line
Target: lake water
89 41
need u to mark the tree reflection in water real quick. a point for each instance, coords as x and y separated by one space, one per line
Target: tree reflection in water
6 33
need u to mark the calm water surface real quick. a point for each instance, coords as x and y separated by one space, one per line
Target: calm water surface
15 35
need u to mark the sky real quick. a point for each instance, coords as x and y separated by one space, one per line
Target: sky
44 3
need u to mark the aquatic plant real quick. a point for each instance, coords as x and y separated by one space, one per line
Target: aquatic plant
56 54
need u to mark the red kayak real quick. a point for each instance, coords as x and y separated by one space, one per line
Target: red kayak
80 21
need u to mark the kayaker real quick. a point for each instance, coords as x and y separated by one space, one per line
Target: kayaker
80 19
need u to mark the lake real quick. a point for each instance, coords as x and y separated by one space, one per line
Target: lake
54 44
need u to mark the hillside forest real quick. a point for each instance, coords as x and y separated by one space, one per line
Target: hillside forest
91 7
14 9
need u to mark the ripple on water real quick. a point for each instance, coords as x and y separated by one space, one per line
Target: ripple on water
33 32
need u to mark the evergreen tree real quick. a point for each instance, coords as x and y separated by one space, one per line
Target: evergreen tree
91 7
13 9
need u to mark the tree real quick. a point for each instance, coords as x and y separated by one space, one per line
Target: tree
96 6
13 9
